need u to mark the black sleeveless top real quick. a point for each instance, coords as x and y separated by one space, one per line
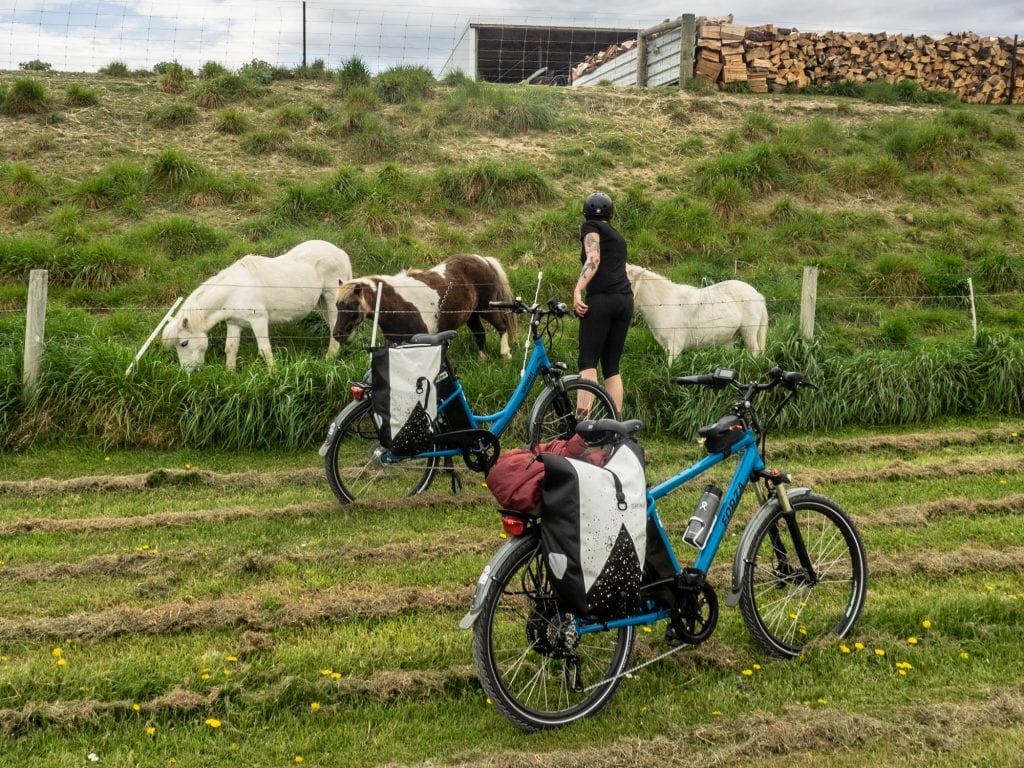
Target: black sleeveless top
611 274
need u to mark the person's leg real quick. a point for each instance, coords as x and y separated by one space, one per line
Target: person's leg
614 386
593 336
583 399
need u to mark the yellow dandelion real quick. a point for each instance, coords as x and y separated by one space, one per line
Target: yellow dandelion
188 466
715 713
965 655
204 676
56 652
844 649
803 630
859 646
61 662
902 672
927 624
989 587
912 640
757 666
232 658
748 672
904 665
502 535
823 701
136 708
648 630
336 675
228 672
325 672
150 730
1002 482
213 722
879 651
3 659
792 616
298 758
315 706
489 702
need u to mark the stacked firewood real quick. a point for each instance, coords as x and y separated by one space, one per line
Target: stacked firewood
595 60
978 69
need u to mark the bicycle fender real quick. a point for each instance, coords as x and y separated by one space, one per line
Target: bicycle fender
739 562
483 584
334 427
535 410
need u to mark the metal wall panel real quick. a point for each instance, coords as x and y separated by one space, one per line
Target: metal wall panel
662 63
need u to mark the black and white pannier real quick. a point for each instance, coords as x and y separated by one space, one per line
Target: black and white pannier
594 531
405 396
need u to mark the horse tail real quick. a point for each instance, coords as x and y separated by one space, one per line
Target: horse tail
762 328
503 292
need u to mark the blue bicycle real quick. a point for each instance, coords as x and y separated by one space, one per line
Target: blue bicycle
799 573
358 468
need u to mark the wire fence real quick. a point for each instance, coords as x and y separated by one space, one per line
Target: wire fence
88 35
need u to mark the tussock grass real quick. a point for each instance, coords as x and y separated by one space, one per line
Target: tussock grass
25 97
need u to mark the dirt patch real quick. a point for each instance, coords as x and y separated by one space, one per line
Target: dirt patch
160 478
901 470
922 513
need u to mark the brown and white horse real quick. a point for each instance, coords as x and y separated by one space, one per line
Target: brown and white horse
454 293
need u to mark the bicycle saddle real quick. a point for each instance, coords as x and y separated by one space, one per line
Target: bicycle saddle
433 338
597 432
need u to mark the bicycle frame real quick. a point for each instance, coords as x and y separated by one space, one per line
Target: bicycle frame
749 462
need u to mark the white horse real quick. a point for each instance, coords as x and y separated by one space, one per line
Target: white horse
683 317
257 291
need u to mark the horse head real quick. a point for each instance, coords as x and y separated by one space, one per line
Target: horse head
354 301
189 341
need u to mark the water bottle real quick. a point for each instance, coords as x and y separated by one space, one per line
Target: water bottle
703 517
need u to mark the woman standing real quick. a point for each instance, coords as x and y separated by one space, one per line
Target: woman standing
608 311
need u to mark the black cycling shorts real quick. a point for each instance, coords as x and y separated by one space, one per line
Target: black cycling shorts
603 331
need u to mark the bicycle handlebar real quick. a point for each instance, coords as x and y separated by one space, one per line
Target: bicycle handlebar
726 377
518 307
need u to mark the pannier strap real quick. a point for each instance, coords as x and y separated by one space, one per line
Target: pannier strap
601 431
433 339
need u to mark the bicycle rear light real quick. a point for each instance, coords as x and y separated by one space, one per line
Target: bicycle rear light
357 391
513 525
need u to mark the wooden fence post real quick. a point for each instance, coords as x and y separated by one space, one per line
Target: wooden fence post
35 326
808 299
641 59
687 48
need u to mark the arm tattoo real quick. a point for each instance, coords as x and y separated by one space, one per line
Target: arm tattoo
591 246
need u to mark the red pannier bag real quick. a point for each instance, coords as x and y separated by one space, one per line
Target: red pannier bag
517 477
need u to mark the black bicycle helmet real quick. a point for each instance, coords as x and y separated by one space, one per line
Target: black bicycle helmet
598 206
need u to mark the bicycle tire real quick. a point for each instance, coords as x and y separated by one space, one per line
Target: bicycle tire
524 677
554 415
353 467
782 610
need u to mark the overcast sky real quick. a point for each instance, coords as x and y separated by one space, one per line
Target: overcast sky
86 35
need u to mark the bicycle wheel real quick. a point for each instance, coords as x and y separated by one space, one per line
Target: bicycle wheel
536 669
785 608
554 415
355 471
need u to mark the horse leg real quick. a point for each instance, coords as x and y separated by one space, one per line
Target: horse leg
261 331
231 342
501 324
329 311
477 327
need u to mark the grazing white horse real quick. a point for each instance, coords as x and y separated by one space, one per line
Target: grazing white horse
257 291
683 317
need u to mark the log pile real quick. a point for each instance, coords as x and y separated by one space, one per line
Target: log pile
595 60
978 69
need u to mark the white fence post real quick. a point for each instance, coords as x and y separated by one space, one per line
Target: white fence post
974 314
808 299
35 327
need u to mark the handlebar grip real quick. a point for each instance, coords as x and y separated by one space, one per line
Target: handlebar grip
505 304
704 380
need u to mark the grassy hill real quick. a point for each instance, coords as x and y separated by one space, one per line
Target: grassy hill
132 188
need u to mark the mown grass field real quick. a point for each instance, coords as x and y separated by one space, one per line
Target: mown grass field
173 596
220 609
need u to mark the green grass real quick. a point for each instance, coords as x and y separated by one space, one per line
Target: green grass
269 609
